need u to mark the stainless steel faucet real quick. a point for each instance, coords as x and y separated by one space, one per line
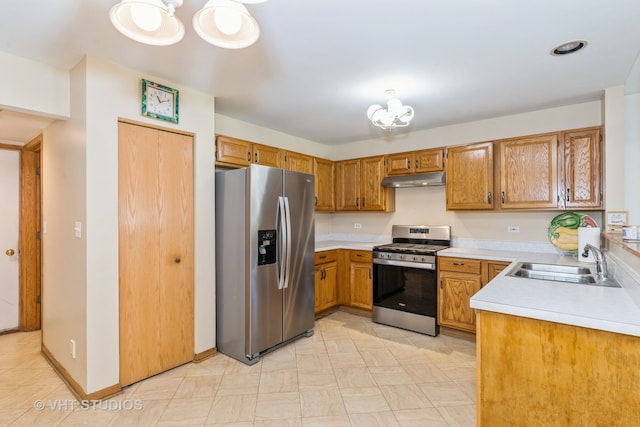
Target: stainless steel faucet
601 263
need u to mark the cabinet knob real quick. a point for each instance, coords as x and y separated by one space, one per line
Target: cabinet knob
177 260
408 164
568 194
10 252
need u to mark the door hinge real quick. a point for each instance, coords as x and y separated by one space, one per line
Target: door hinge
38 299
38 235
38 171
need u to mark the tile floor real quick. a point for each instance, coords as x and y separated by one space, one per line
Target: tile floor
351 372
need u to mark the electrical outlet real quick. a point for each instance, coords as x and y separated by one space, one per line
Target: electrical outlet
513 229
356 225
73 349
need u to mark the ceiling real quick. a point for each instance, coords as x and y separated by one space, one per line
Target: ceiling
319 64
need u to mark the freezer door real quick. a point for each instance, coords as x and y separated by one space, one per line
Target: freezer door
264 299
299 288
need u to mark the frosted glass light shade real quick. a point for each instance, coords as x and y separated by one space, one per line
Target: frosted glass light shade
228 34
147 21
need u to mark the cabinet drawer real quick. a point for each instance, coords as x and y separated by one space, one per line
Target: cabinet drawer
325 256
361 256
460 265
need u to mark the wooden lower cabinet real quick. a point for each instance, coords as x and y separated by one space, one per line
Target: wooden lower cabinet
361 279
459 279
343 277
538 373
326 279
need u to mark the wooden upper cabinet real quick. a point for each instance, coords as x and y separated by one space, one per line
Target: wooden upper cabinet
236 152
470 177
232 151
348 185
374 195
266 155
358 185
323 171
297 162
529 172
400 163
582 169
431 160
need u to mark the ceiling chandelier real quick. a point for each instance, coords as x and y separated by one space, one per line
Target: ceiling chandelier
223 23
393 115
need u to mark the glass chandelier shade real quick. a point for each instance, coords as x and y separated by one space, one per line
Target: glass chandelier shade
391 116
223 23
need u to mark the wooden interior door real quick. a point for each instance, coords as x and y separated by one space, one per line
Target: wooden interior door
155 191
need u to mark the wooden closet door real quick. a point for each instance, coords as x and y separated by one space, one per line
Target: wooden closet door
175 214
156 251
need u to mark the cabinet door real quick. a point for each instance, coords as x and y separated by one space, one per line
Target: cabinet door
298 162
491 269
470 177
232 151
266 155
582 169
374 195
318 275
348 185
529 173
429 160
400 163
324 185
329 296
361 280
456 289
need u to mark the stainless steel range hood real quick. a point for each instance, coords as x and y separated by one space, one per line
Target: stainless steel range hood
415 180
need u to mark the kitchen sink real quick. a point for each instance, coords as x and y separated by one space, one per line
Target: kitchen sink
560 273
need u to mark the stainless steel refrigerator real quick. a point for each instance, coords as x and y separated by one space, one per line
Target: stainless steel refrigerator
264 260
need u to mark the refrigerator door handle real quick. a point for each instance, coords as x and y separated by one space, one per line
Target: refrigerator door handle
282 261
288 240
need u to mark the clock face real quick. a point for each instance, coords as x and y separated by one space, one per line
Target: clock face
159 101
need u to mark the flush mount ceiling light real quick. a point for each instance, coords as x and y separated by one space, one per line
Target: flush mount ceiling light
226 23
223 23
393 115
569 47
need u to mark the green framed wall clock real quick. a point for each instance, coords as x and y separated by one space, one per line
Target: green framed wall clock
159 101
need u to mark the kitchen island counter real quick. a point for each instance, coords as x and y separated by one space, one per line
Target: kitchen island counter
595 307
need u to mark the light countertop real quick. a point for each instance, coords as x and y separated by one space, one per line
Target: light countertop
596 307
326 245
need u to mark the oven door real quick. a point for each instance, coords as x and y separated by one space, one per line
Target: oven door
405 286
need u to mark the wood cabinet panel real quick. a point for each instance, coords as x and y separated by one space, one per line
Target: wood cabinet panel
470 177
361 282
373 194
323 171
491 269
348 185
456 289
400 163
529 172
326 276
431 160
460 265
538 373
266 155
232 151
582 169
298 162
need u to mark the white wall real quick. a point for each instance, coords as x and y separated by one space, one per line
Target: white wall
32 87
250 132
632 157
82 289
64 257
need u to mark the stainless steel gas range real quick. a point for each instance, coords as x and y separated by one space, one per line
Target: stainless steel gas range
405 286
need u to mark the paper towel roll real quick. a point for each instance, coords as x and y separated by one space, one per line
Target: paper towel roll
589 235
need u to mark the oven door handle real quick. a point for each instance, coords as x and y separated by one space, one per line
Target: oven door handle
419 265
